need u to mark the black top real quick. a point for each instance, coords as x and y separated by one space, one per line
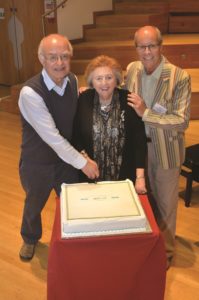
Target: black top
134 151
62 110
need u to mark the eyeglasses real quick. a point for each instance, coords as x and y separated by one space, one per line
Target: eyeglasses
151 47
52 58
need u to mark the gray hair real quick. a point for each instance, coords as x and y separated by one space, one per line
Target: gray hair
103 61
41 44
159 35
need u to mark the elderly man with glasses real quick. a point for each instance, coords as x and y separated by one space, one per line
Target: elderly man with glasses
47 104
160 95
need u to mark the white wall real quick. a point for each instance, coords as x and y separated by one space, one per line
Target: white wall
77 13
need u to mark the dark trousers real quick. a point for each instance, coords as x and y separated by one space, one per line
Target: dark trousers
38 181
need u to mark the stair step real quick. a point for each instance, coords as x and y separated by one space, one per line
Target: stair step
78 66
122 20
191 6
137 7
116 49
182 24
176 48
81 80
137 20
110 33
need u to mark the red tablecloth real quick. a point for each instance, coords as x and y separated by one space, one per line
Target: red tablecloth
126 267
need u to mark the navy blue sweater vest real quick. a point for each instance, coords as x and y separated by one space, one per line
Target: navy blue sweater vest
62 110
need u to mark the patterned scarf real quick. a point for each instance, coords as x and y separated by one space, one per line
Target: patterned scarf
108 137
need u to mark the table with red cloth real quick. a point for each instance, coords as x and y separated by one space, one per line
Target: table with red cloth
120 267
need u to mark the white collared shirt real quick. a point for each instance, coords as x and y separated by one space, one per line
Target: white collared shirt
51 85
36 113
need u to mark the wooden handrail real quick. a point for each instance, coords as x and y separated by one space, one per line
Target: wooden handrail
49 12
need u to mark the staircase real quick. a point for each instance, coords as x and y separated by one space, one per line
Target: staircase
112 34
112 30
123 26
126 18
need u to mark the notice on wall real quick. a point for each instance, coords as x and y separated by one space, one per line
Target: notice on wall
48 6
2 13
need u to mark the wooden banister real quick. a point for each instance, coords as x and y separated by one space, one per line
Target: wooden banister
61 4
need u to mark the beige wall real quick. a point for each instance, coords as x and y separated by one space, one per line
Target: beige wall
77 13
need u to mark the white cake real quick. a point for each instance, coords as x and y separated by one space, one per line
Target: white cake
104 208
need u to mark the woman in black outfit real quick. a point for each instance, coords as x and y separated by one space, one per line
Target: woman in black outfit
106 129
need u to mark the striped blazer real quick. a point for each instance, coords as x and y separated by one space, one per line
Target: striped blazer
173 92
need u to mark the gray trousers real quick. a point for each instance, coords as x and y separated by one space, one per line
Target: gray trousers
164 198
38 181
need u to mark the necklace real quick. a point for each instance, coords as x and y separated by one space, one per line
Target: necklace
105 105
106 108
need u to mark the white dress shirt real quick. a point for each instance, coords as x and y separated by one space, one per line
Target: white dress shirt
36 113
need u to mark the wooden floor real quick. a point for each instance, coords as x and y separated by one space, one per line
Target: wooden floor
4 91
22 281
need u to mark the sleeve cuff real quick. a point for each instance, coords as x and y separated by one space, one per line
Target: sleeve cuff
80 162
144 117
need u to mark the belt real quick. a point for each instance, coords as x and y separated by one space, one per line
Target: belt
148 139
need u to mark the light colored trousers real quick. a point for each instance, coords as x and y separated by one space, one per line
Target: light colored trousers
164 198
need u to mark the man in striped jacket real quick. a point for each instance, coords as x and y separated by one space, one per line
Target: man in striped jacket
160 94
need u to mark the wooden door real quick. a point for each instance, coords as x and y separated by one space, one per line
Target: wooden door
21 34
29 14
9 72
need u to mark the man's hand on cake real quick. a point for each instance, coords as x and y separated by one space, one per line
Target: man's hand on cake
91 169
140 186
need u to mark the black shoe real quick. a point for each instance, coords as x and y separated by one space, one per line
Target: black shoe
169 260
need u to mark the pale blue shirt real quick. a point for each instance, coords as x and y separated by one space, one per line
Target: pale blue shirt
51 85
36 113
149 85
